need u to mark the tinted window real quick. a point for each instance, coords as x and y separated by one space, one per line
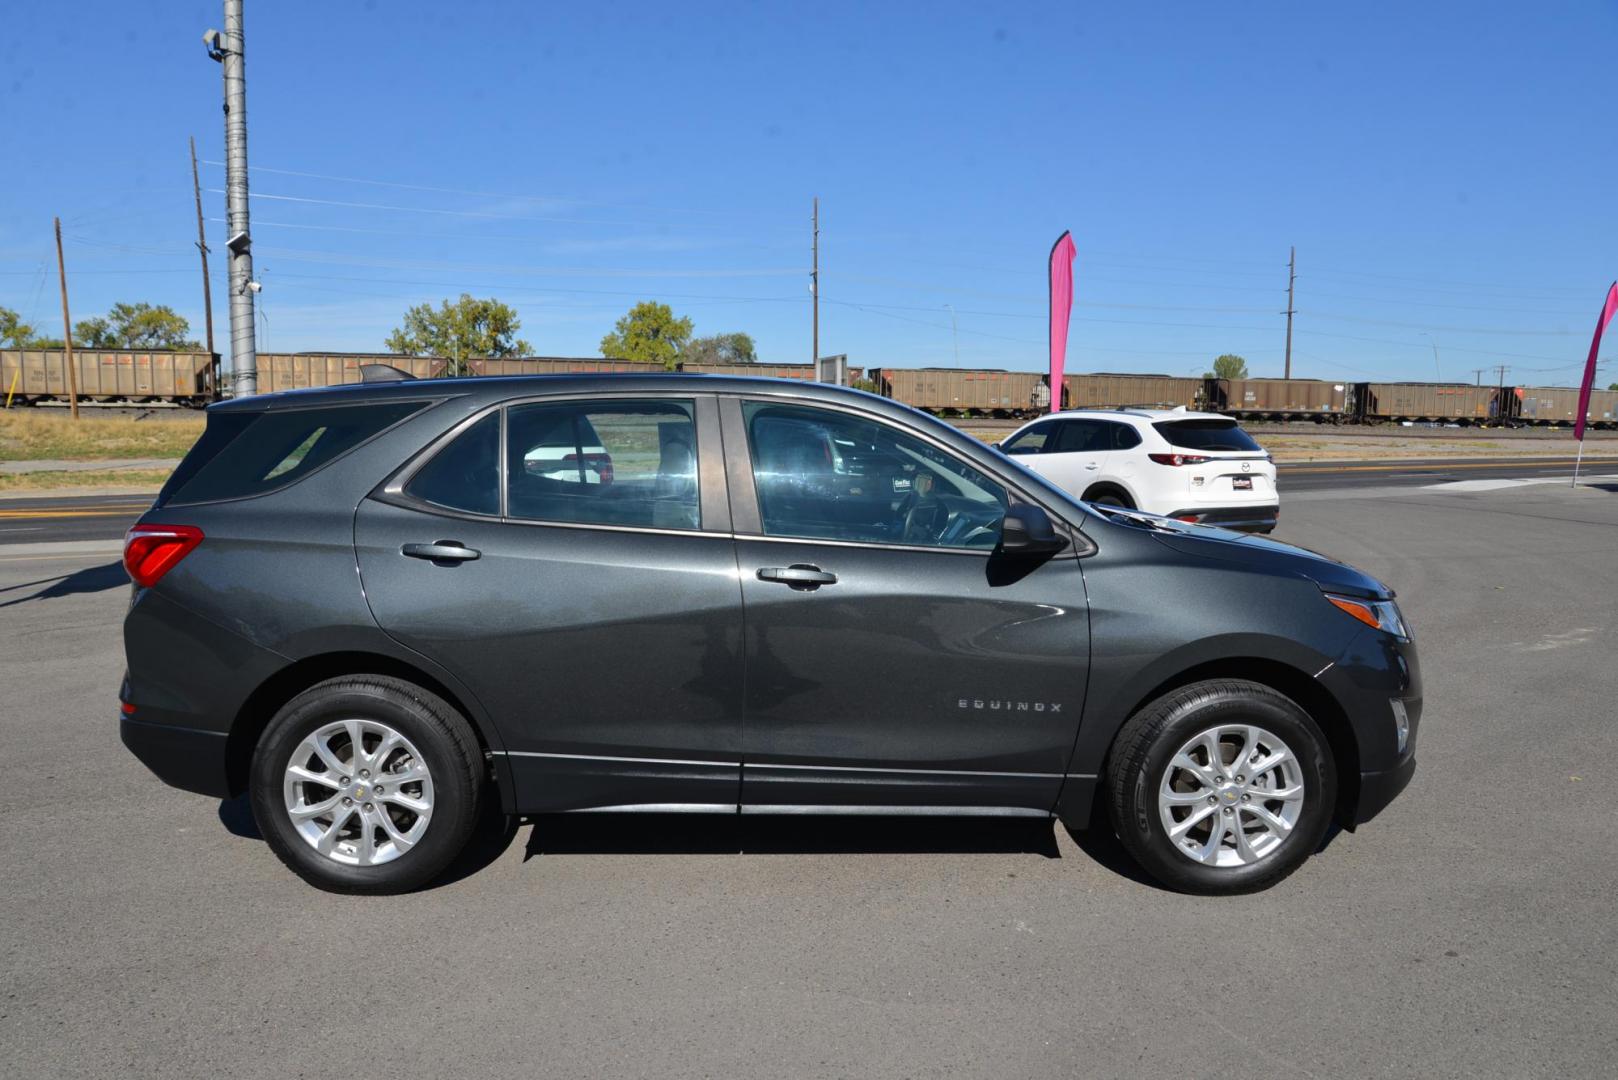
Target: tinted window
244 454
603 463
1083 436
1030 440
1206 435
828 475
465 475
1124 437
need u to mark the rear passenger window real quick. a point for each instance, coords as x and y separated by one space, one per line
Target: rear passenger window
1124 437
244 454
603 463
465 475
1084 436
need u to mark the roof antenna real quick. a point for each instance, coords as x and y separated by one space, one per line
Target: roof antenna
379 373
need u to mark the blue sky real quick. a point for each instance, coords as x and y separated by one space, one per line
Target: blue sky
1446 172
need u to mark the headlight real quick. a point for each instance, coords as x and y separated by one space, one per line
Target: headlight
1380 614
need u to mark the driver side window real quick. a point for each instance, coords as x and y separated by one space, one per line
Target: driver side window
826 475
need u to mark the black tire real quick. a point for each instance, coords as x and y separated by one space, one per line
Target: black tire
445 742
1108 498
1140 758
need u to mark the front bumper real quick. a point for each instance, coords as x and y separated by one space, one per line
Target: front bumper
1378 789
1257 518
187 758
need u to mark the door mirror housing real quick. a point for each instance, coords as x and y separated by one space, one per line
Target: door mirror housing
1027 530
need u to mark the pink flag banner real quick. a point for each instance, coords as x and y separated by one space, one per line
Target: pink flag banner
1590 365
1061 283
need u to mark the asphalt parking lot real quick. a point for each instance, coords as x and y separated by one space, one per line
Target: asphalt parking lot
1469 931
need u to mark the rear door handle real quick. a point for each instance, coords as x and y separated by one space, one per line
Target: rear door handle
441 551
1092 465
799 576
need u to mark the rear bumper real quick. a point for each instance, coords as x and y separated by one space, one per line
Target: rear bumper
187 758
1260 517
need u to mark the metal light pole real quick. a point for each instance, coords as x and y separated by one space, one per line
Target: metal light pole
227 48
954 335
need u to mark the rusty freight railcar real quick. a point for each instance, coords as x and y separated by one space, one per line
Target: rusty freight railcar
1558 406
1438 402
980 392
557 365
1281 399
109 375
1105 390
299 371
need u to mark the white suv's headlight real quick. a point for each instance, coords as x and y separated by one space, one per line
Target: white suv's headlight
1381 614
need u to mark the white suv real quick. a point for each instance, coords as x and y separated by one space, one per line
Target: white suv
1199 467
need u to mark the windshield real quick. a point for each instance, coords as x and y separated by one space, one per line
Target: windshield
1207 435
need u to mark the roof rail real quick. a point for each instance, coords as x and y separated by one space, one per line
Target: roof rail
376 373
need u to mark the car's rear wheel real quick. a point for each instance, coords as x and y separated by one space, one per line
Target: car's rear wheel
367 784
1223 786
1110 498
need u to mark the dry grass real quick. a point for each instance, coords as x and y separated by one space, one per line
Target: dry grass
27 435
129 479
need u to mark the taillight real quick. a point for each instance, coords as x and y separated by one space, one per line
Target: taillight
1179 459
150 551
600 464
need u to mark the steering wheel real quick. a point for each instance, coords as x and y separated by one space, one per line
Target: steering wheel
922 519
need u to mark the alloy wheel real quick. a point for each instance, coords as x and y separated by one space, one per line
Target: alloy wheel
1231 795
358 792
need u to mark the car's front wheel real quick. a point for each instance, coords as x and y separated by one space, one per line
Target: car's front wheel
1223 786
367 784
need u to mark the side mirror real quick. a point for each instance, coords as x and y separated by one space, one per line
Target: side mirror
1027 530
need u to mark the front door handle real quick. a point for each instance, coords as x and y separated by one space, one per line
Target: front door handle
800 576
441 551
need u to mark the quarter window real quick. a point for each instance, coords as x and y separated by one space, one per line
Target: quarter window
465 475
603 463
831 476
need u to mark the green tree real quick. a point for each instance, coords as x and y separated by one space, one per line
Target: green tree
464 330
135 326
14 333
650 333
721 349
1228 366
1612 386
94 334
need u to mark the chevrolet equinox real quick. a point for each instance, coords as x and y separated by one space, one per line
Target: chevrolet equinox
373 607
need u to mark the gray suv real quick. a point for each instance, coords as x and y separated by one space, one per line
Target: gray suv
374 607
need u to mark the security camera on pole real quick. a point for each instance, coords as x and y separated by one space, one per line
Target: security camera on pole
227 49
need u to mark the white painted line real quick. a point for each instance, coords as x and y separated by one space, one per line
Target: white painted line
61 549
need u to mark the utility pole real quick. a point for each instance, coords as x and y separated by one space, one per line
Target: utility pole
1292 275
1500 395
1437 373
1478 373
202 246
954 335
814 287
67 329
227 48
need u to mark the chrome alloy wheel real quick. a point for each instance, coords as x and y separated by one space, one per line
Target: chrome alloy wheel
359 792
1231 795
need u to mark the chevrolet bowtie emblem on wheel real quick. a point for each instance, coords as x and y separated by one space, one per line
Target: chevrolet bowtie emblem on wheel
359 792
